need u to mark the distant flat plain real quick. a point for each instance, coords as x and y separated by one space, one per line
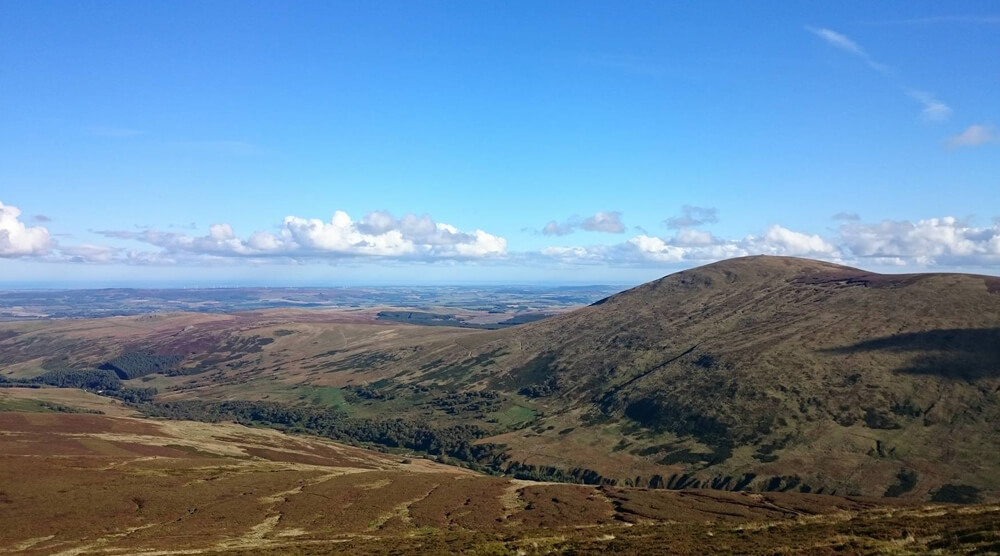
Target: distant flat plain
471 304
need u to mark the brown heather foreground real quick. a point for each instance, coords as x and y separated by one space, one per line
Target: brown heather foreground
74 484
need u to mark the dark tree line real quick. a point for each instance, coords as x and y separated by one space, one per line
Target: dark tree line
102 382
465 403
90 379
134 364
456 441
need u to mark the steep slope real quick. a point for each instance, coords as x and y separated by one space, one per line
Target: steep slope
776 372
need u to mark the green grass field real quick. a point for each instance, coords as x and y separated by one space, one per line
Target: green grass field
33 406
329 396
515 416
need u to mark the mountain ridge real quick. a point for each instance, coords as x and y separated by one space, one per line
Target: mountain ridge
771 353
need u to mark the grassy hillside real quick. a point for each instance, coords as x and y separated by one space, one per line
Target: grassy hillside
807 375
760 373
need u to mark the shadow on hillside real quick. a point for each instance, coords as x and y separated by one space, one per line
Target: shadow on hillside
969 353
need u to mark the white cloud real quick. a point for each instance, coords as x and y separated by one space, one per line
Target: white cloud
934 242
690 236
569 252
554 228
973 136
484 245
340 236
609 222
378 234
89 253
838 40
947 240
655 249
605 221
934 110
377 222
263 241
17 239
778 240
692 216
696 246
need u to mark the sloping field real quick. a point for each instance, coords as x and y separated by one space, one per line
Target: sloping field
245 355
93 484
71 398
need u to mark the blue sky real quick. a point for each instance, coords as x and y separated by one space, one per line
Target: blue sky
411 142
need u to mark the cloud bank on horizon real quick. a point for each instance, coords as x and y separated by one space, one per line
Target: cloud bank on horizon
379 236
